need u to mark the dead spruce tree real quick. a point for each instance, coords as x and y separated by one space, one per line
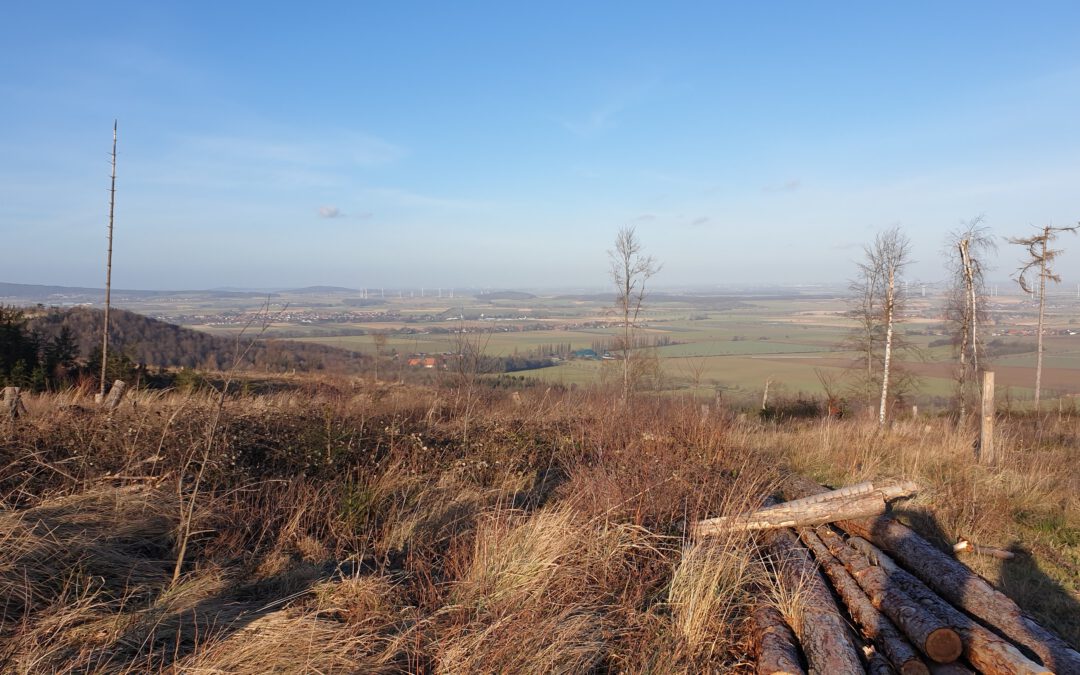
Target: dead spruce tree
108 272
630 270
1039 260
965 311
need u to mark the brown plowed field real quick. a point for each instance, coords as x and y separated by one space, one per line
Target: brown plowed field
1053 379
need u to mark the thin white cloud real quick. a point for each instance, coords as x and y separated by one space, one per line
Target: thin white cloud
330 212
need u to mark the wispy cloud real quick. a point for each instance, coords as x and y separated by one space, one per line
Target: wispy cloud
605 116
330 212
700 221
787 186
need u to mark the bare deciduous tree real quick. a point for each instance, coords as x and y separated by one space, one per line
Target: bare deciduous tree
1039 258
630 270
879 300
967 251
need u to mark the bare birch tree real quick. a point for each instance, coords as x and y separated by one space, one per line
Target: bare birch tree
967 251
630 270
1039 259
891 253
880 302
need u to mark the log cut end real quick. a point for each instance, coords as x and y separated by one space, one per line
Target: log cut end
914 668
944 645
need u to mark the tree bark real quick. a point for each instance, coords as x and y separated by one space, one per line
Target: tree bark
775 644
950 669
890 309
872 623
822 630
931 635
959 585
876 664
1042 314
984 650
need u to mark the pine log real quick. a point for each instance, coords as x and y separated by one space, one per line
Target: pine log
116 393
874 625
959 585
950 669
876 664
965 546
859 501
933 636
777 649
984 650
822 630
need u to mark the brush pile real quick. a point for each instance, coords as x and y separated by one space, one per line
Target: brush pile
916 609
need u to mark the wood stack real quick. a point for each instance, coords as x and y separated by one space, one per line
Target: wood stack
917 610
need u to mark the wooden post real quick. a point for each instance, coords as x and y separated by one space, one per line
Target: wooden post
115 395
987 453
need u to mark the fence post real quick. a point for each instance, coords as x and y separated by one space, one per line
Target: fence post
987 452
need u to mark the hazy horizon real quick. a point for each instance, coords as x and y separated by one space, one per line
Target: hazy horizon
497 146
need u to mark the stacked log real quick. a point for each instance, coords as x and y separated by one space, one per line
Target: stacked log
921 613
821 626
775 644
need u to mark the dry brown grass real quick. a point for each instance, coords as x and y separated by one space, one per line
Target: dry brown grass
345 528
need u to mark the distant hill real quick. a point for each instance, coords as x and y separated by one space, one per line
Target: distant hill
157 343
16 294
505 295
320 290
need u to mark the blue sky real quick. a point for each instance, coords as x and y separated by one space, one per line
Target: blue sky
503 144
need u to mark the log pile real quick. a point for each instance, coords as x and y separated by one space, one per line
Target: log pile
915 609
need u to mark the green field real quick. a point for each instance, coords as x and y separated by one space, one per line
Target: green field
724 343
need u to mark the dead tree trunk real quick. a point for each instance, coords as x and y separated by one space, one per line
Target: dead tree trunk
872 623
108 270
12 403
775 644
822 630
858 501
890 312
984 650
116 394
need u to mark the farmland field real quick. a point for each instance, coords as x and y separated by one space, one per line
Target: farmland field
706 343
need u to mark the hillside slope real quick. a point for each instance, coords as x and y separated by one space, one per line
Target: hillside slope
157 343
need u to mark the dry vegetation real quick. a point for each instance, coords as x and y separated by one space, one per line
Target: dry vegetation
340 527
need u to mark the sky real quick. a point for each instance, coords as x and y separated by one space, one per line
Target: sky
504 144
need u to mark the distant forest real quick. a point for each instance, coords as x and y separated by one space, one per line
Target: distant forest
45 348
